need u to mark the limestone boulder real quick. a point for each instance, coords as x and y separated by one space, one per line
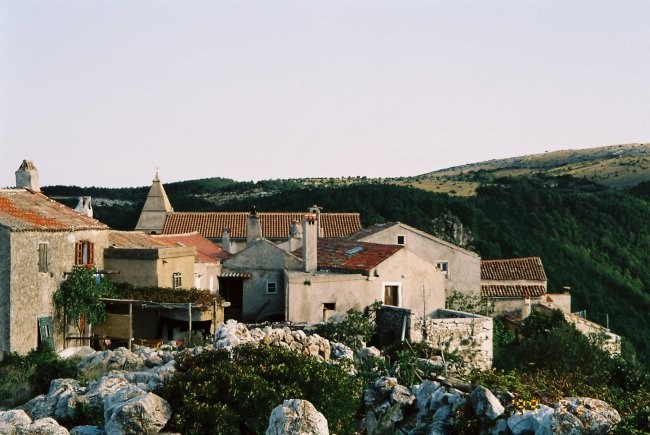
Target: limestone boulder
14 421
596 416
146 413
537 421
485 404
60 401
341 351
46 426
76 352
296 417
87 430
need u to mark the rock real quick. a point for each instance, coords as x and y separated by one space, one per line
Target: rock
385 384
423 394
76 352
47 426
148 381
105 386
402 395
154 360
87 430
60 401
296 416
485 404
165 371
536 421
368 352
596 416
147 413
341 351
121 395
13 421
566 424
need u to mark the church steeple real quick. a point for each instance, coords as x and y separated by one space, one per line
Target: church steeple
156 207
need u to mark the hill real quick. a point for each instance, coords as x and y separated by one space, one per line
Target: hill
617 166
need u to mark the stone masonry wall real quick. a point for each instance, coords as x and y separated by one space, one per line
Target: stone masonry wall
470 336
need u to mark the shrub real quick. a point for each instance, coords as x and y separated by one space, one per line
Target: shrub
234 392
355 330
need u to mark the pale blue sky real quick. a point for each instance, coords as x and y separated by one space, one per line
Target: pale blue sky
103 92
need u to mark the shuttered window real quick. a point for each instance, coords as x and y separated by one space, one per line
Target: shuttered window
84 253
176 280
43 257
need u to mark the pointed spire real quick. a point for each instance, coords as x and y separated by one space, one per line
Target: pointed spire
156 207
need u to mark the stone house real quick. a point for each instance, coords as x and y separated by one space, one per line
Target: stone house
516 284
461 268
326 276
230 229
40 241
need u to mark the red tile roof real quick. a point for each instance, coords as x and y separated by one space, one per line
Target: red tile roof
26 210
513 269
340 255
135 240
274 225
512 291
206 250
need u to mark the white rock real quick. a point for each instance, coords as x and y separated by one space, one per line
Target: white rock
13 420
296 417
485 404
146 413
87 430
76 351
47 426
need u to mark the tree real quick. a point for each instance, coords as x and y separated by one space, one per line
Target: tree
79 295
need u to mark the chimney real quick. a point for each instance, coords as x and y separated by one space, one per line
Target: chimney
27 176
225 239
526 309
309 243
295 236
314 209
253 227
84 207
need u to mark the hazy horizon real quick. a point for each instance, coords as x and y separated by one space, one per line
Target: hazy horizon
104 93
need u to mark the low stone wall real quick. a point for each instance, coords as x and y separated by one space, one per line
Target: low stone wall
470 336
465 334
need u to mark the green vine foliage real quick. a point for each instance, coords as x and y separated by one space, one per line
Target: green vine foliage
79 296
205 298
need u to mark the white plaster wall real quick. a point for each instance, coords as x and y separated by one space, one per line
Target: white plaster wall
464 266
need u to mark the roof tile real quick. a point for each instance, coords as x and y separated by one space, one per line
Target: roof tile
513 269
340 255
512 291
275 225
27 210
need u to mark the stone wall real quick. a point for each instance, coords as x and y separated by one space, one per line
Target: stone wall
470 336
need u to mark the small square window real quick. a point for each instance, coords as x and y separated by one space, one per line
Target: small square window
271 287
400 240
329 306
177 280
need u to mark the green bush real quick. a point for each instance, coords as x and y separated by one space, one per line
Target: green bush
25 376
235 392
355 330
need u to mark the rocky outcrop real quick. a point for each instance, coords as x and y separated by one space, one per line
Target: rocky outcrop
436 407
232 333
142 413
296 417
18 422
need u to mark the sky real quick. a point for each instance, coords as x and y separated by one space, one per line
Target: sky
104 93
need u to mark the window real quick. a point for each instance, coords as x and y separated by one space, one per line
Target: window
329 306
271 287
84 253
392 293
443 266
43 258
400 240
176 280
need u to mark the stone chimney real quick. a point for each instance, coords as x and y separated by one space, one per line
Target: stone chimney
309 243
27 176
84 207
253 227
295 236
225 239
526 309
314 209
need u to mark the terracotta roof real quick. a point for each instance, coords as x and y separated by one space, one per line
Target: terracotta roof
135 240
26 210
206 250
513 269
274 225
340 255
512 291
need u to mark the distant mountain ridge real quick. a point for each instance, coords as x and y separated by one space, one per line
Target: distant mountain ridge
617 166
